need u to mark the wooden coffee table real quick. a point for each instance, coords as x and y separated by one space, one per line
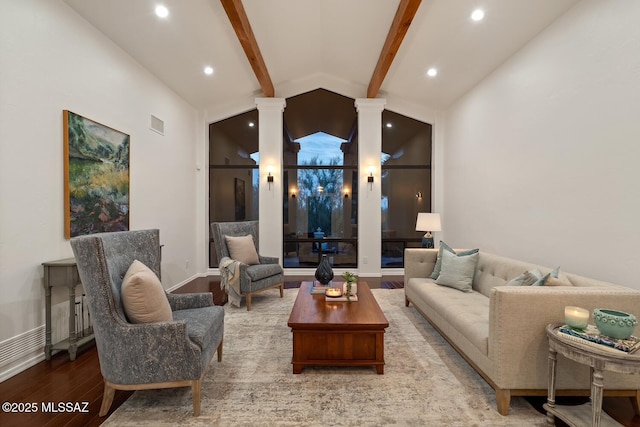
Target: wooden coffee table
336 333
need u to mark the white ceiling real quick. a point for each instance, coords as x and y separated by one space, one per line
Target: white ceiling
337 38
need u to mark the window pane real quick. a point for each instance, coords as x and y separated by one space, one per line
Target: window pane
319 217
406 184
233 172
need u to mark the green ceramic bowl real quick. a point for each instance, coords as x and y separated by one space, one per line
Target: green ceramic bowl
614 323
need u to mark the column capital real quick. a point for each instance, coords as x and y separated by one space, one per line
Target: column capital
271 103
370 104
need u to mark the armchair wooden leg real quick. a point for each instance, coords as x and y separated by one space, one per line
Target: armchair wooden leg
281 290
406 302
635 402
107 399
220 350
503 398
196 386
248 302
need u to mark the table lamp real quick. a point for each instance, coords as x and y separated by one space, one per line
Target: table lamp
428 222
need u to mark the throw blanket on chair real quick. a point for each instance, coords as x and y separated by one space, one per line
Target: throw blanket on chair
230 272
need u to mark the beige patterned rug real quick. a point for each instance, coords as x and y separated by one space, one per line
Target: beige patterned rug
425 382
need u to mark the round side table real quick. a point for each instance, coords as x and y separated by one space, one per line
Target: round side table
600 358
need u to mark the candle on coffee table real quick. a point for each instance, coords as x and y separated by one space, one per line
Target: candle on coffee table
333 292
576 317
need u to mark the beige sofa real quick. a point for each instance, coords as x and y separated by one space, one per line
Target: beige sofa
500 330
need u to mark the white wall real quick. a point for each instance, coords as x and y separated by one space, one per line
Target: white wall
541 158
51 60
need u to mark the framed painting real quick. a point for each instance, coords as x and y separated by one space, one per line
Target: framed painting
96 171
240 206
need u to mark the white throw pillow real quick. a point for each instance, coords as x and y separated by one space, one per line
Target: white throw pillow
143 296
242 249
457 271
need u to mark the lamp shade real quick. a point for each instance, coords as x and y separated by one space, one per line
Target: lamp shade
428 222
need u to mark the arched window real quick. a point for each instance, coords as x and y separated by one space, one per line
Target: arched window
320 180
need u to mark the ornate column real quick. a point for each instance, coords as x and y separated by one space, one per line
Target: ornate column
369 193
270 146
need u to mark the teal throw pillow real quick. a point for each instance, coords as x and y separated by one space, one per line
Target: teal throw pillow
445 247
528 278
535 278
457 271
544 279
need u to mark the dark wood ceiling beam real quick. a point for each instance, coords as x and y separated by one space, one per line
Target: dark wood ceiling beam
404 15
242 27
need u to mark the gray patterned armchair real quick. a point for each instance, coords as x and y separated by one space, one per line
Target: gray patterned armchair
253 278
144 355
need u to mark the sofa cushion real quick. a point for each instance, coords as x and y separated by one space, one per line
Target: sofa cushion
444 247
143 297
467 313
242 249
457 270
560 281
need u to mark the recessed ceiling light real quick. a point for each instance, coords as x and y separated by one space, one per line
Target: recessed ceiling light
208 71
162 11
432 72
251 124
389 125
477 15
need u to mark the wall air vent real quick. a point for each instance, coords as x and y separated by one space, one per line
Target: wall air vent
157 125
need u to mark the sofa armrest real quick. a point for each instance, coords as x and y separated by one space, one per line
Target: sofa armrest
518 316
419 262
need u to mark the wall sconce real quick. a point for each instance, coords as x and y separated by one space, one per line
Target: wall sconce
269 177
346 193
293 193
419 195
370 178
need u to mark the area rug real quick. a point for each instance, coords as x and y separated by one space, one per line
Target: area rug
425 382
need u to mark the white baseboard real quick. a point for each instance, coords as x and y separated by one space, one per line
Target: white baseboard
22 366
185 281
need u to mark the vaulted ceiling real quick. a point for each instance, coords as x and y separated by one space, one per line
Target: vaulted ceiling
326 40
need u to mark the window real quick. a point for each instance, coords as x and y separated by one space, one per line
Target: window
320 180
406 184
233 172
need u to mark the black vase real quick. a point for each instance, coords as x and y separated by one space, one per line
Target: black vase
324 273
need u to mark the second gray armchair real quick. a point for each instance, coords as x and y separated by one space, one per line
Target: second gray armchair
257 275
